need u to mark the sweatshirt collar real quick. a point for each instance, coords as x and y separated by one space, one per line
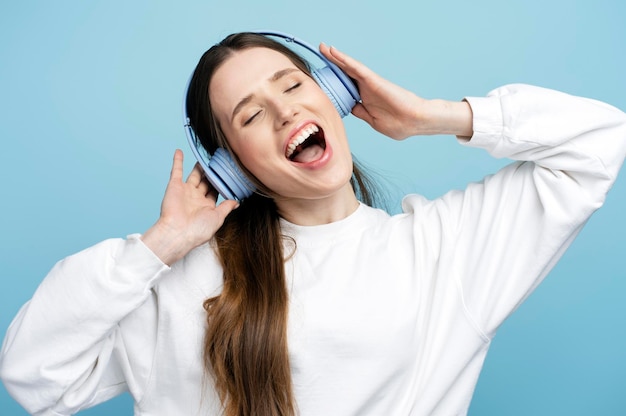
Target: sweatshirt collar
312 235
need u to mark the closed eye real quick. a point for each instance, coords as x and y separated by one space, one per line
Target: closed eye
251 119
293 87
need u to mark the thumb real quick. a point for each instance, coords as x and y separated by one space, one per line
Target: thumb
361 112
225 208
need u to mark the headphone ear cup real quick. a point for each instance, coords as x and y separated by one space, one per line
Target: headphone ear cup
227 178
339 95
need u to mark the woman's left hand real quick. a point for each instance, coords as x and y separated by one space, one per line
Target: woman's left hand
396 112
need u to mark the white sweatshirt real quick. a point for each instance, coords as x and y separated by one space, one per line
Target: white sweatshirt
388 315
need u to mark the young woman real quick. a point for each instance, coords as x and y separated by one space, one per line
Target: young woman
301 299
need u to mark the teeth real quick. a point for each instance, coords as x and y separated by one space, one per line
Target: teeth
301 138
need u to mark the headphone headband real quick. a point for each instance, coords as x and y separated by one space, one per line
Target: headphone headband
345 80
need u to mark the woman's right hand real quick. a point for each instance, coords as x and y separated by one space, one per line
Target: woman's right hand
189 217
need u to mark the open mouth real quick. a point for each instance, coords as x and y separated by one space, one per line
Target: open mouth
307 146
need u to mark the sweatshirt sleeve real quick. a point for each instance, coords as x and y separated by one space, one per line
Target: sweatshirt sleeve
65 350
508 231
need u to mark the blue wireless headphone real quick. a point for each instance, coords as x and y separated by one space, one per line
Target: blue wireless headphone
222 171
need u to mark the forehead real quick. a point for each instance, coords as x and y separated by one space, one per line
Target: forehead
242 73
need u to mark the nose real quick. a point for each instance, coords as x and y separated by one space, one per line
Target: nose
285 112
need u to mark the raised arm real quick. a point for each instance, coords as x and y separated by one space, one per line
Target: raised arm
510 229
501 236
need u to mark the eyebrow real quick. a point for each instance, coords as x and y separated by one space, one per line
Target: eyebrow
245 100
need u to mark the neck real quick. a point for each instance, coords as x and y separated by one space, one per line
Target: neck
319 211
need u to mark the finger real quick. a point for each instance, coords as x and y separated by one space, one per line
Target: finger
361 112
325 50
177 166
208 189
225 208
212 193
336 59
349 65
196 175
204 186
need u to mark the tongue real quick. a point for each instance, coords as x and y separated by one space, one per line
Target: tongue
309 154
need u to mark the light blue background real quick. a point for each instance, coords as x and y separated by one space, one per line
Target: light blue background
90 114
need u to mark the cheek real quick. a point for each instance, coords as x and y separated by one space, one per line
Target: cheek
250 147
251 153
235 141
247 156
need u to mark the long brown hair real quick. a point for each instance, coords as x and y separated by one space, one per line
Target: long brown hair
245 348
